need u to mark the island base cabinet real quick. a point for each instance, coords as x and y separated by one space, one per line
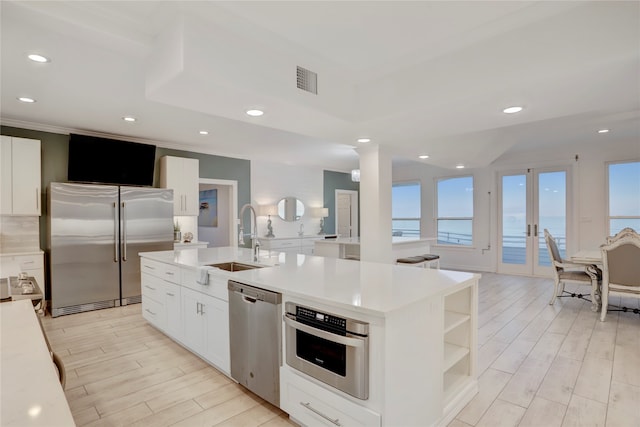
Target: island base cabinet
310 405
206 327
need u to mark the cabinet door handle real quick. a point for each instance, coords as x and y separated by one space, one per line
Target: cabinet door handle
149 287
170 294
535 230
315 411
37 198
149 267
149 311
170 273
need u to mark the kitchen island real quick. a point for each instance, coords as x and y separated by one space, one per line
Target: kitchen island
422 328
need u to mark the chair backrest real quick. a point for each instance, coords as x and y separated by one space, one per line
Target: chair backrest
627 231
554 253
621 261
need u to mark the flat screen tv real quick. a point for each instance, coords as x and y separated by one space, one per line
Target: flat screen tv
109 161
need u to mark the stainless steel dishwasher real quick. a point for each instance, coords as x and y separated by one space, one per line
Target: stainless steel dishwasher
255 317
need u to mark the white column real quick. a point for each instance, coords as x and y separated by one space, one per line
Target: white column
375 204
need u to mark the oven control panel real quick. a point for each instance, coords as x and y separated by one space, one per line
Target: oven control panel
303 313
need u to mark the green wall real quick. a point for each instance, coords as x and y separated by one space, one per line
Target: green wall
331 182
55 152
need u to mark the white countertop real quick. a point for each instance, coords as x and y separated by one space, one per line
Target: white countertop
30 392
35 251
394 240
371 288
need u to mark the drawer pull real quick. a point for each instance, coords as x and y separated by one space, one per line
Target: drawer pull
315 411
170 273
149 287
149 267
149 311
170 294
28 262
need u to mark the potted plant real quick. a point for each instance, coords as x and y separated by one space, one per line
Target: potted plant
177 236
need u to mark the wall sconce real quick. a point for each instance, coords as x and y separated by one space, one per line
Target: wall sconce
321 213
268 210
355 175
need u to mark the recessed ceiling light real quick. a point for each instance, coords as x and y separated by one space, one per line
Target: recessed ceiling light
204 132
364 140
511 110
603 131
129 119
459 166
27 100
255 113
424 156
38 58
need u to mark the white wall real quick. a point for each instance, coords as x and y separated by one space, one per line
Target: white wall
270 182
588 206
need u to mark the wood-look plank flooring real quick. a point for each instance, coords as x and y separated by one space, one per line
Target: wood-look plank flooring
538 365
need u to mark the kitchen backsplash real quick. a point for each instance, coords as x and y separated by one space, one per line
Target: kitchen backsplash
19 234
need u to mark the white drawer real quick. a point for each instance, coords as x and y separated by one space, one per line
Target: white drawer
312 405
167 272
154 312
216 287
152 287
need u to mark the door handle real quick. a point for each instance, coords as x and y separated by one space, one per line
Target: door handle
115 233
124 233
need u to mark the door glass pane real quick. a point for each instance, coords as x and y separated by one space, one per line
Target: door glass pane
552 209
624 196
514 219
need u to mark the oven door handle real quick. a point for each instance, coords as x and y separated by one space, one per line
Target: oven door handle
351 342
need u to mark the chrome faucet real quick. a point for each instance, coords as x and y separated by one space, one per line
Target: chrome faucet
301 232
255 244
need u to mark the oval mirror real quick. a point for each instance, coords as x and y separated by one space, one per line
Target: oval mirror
290 209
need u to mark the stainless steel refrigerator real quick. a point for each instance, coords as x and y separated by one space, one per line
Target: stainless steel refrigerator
95 235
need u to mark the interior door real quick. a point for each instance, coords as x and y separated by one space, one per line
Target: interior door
346 213
530 201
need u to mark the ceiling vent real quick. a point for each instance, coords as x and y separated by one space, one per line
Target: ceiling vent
307 80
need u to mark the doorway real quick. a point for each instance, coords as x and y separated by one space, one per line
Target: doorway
218 211
347 213
529 201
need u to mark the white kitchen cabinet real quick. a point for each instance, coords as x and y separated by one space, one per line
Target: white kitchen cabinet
20 176
173 309
312 405
160 285
183 176
206 327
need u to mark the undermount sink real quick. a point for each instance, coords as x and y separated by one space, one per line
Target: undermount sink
234 266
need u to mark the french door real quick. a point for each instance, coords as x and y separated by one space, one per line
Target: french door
531 201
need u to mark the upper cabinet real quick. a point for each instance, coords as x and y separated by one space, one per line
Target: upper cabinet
182 175
20 176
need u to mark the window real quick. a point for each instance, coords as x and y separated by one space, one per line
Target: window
405 209
624 196
455 211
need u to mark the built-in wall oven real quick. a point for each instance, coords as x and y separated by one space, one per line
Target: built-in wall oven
330 348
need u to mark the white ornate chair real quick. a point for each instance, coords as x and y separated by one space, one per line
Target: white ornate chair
624 232
621 269
566 272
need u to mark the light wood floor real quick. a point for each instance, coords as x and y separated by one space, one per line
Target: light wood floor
539 365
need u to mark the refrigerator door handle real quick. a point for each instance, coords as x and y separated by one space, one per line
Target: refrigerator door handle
115 233
124 233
